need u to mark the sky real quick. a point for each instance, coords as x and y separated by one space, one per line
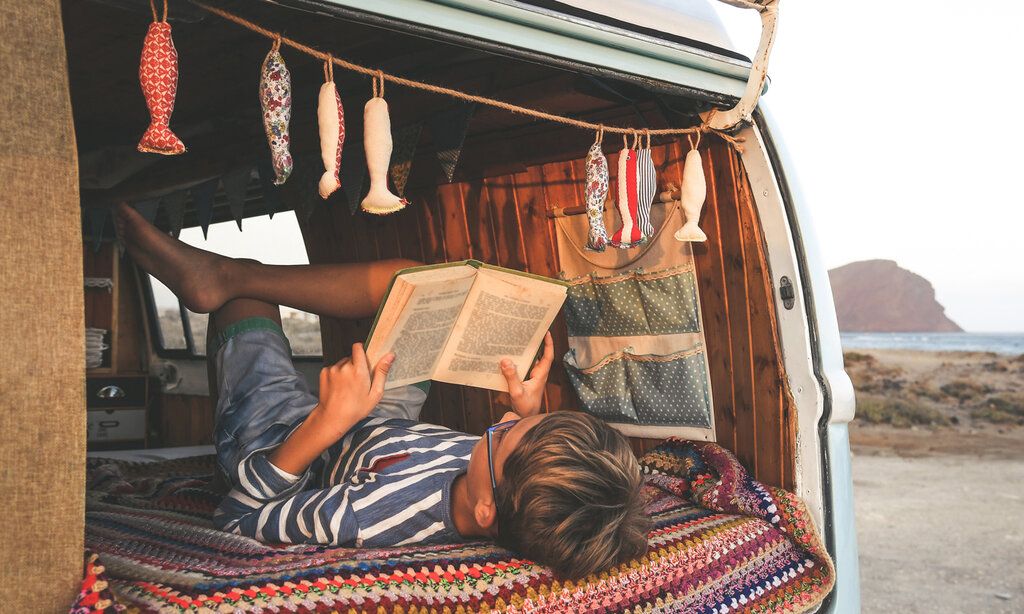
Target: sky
902 127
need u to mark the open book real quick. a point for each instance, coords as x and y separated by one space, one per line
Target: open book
454 322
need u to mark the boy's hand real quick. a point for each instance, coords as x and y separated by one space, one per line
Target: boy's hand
347 392
527 396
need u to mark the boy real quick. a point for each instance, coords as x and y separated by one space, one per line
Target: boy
354 467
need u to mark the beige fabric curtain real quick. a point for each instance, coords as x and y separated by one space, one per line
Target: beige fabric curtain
42 373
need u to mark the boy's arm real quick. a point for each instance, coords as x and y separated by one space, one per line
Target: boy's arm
347 395
294 515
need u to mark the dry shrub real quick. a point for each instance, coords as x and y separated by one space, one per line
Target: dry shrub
963 390
900 413
854 357
1005 409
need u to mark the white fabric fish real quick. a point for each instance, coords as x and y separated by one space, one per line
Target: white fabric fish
691 196
378 145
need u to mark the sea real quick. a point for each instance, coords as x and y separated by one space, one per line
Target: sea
1000 343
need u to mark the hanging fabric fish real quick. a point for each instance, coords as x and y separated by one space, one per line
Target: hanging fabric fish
158 75
647 187
629 234
331 117
692 193
378 145
597 193
276 101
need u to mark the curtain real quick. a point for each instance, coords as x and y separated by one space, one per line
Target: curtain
42 373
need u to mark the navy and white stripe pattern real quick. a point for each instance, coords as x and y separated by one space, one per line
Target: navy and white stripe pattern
386 483
646 187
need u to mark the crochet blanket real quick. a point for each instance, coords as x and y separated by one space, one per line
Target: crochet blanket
720 542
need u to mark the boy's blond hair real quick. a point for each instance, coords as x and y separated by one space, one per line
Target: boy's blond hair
570 497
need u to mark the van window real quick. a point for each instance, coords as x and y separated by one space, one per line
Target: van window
182 333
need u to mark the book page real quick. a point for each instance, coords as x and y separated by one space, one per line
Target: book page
421 329
505 316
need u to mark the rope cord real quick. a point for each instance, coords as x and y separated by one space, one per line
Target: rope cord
446 91
152 7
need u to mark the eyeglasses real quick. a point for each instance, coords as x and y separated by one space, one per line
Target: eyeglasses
497 428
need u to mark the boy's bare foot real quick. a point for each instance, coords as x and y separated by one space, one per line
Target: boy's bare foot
201 279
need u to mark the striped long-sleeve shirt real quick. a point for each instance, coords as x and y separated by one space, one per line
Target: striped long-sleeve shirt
386 483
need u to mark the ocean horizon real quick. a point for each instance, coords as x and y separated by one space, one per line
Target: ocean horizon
1000 343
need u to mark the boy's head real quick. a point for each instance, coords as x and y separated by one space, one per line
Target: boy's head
568 493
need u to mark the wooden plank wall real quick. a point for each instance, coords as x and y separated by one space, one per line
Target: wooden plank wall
503 220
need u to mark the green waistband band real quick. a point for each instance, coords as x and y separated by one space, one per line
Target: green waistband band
241 326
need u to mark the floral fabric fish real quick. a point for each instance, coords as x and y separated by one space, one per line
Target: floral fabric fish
158 75
276 101
597 192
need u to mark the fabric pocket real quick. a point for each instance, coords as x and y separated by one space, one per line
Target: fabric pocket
649 389
634 303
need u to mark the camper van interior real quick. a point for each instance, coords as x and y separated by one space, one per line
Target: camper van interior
511 198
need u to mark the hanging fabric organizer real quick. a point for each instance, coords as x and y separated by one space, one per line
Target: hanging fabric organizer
636 343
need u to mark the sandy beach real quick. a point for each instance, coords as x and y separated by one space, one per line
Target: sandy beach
938 470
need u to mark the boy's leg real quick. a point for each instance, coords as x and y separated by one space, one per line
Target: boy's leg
205 281
260 396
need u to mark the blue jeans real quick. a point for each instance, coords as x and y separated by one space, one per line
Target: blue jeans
262 397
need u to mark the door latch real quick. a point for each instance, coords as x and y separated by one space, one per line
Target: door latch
786 292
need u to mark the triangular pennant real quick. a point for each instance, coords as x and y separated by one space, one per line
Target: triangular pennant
235 182
306 179
405 140
448 130
271 192
353 172
202 197
174 207
97 225
148 209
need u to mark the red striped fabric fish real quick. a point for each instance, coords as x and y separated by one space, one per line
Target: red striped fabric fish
331 118
637 187
158 75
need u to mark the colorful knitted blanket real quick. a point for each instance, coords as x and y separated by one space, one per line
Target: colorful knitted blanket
720 542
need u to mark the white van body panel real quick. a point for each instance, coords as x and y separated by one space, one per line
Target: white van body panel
542 31
832 388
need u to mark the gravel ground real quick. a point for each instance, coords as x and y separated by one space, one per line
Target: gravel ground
940 533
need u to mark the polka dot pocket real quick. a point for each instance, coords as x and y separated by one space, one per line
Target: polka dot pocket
633 303
649 389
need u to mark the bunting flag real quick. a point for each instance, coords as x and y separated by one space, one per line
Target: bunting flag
306 179
271 191
353 173
406 139
174 206
448 129
202 196
97 225
235 182
148 209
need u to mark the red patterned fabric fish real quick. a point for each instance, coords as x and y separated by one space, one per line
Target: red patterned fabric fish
158 75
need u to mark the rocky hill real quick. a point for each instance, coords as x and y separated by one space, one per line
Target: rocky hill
879 296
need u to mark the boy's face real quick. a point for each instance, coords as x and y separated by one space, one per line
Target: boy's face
478 476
